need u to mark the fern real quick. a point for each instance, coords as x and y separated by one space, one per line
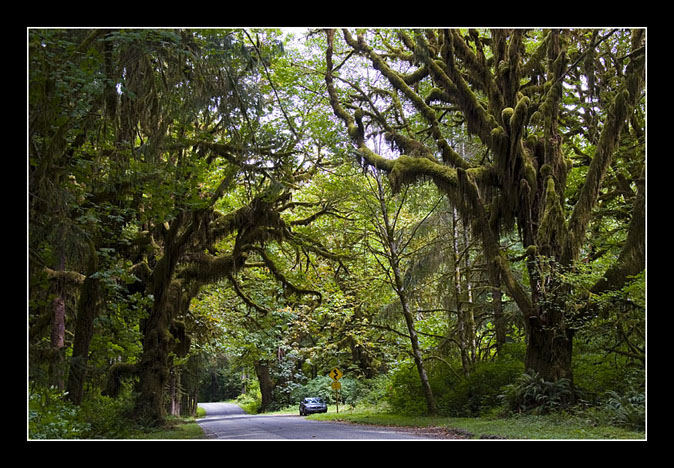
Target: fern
627 410
531 393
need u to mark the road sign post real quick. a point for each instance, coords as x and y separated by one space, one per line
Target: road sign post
335 374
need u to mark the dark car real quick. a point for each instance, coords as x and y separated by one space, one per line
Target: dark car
312 405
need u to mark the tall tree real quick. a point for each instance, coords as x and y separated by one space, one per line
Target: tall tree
529 98
391 250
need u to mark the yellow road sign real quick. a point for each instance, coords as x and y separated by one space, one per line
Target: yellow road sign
336 385
335 374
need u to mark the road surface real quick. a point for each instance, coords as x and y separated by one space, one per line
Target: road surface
228 421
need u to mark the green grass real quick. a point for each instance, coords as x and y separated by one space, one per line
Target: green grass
517 427
178 428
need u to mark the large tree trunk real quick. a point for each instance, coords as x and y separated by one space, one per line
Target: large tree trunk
154 365
266 383
499 319
175 391
153 368
58 329
84 331
549 351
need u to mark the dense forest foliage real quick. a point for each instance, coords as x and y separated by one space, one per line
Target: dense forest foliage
454 218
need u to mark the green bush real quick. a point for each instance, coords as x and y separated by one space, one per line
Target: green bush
52 416
249 402
405 394
107 417
374 390
596 375
316 387
627 410
456 396
531 393
480 392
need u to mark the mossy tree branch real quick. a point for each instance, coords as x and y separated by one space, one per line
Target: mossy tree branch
632 258
626 98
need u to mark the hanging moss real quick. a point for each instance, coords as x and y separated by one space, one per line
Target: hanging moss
374 159
117 372
552 230
181 340
207 268
519 114
499 143
529 169
506 115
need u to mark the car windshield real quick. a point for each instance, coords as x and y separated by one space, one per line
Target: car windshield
313 400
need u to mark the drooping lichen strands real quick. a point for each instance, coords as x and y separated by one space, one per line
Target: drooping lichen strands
552 231
507 114
610 136
517 119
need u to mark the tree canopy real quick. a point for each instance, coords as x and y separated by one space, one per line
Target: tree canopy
210 202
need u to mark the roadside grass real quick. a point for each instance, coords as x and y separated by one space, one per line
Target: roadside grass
175 428
544 427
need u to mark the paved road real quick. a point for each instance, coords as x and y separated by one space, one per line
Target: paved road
228 421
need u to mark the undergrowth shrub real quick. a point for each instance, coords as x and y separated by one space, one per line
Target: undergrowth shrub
317 387
52 416
531 393
475 395
404 393
596 374
479 393
250 401
628 410
108 418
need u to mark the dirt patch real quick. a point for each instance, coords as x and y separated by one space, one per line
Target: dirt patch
435 432
439 432
448 433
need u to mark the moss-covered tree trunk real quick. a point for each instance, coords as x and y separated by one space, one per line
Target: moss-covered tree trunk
87 308
266 383
153 368
549 350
